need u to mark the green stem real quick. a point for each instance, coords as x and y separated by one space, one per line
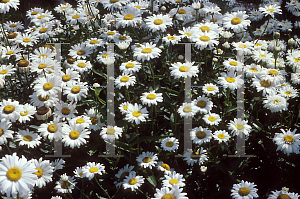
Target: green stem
143 193
152 75
102 187
8 148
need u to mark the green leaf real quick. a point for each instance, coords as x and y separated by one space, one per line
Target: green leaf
152 180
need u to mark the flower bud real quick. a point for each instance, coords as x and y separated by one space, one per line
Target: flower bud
161 47
180 57
280 66
277 49
163 8
196 5
64 177
277 35
180 19
226 45
291 41
96 85
215 59
285 189
203 168
289 30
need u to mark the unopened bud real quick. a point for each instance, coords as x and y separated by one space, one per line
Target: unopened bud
280 66
215 59
285 189
226 45
180 19
163 8
64 177
290 30
203 168
180 57
277 35
161 47
291 41
277 49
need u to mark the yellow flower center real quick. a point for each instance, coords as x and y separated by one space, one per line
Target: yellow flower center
273 72
65 185
200 134
147 50
48 86
129 65
165 166
236 21
43 98
43 55
75 89
52 128
3 71
289 138
254 70
158 21
233 63
125 107
93 169
132 181
74 135
283 196
265 83
128 17
239 126
213 20
187 109
14 174
81 65
41 16
122 37
43 30
270 10
65 111
297 59
211 118
94 42
111 33
262 55
13 25
34 13
173 181
205 28
136 113
139 7
80 52
124 79
23 63
25 113
1 132
169 144
26 40
94 120
151 96
41 66
10 52
181 11
27 138
146 159
204 38
168 196
9 109
230 79
80 121
287 93
243 191
39 173
196 155
201 103
110 131
221 136
171 37
188 34
257 44
76 17
242 46
66 78
210 88
184 69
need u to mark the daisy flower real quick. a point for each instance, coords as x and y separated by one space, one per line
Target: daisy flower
43 113
124 107
39 65
91 169
10 110
263 85
39 101
42 18
80 51
210 89
136 113
111 132
252 70
95 119
28 138
203 104
125 80
194 156
76 18
200 135
17 175
212 119
4 132
130 67
231 80
44 31
78 172
47 86
283 194
26 39
53 129
65 110
287 141
9 51
65 186
274 76
75 135
246 46
185 70
275 103
133 181
147 159
171 39
93 43
113 5
237 21
173 178
5 5
69 77
130 16
13 26
170 144
221 136
255 15
82 120
187 32
207 27
232 64
44 172
270 9
205 39
146 51
187 110
42 52
165 192
239 126
122 173
288 92
76 91
244 190
158 22
58 164
26 114
164 167
151 97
